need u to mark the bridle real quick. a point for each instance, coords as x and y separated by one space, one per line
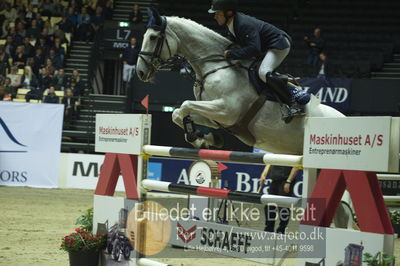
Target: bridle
156 62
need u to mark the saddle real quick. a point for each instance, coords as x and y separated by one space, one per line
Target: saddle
264 92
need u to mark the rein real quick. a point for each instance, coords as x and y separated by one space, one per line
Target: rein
209 58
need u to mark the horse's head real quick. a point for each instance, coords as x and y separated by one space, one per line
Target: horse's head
159 44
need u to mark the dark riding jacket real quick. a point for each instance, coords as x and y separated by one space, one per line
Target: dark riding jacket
255 37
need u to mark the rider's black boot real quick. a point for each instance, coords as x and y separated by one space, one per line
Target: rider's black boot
278 83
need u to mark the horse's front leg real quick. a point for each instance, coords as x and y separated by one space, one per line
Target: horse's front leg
177 118
215 110
198 136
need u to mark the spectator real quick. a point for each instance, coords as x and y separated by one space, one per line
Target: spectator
48 38
70 107
59 49
55 59
19 59
5 29
135 16
83 21
4 94
108 10
28 79
57 8
46 8
9 13
75 77
323 69
76 88
65 25
17 39
38 61
14 78
21 24
46 79
30 15
58 33
72 17
48 67
51 97
39 20
316 45
48 27
4 64
9 89
29 50
60 80
35 3
9 47
282 180
42 44
76 5
97 20
34 31
129 59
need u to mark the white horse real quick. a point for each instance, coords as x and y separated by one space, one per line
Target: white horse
226 94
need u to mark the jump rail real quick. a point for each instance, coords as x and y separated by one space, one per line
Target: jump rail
221 155
147 262
220 193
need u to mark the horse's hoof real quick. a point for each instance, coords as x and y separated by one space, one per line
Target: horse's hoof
287 119
190 137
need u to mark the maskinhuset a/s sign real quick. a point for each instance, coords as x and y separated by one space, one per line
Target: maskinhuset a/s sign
352 143
122 133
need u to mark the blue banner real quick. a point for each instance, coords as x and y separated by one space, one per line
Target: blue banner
334 92
237 177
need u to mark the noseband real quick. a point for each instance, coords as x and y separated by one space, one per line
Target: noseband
156 62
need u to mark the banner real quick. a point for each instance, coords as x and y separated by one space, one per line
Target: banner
334 92
30 144
82 171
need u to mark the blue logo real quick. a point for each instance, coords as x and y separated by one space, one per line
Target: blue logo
154 171
10 136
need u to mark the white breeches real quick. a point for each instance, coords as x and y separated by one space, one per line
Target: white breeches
128 70
271 61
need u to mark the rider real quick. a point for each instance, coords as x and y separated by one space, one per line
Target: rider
256 37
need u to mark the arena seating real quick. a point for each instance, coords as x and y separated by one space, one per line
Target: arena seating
360 35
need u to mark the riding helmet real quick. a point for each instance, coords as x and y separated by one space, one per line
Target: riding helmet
223 5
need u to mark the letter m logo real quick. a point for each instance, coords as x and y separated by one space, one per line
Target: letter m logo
78 167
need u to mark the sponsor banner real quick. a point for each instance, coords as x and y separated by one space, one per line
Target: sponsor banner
30 144
122 133
109 217
237 176
334 92
348 246
83 170
352 143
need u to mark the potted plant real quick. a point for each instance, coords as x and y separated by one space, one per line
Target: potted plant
380 259
82 245
395 219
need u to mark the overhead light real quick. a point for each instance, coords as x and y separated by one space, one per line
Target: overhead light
168 109
123 24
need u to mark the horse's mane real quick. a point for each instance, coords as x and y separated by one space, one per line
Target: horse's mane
197 28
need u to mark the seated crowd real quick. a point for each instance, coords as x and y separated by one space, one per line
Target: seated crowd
34 37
